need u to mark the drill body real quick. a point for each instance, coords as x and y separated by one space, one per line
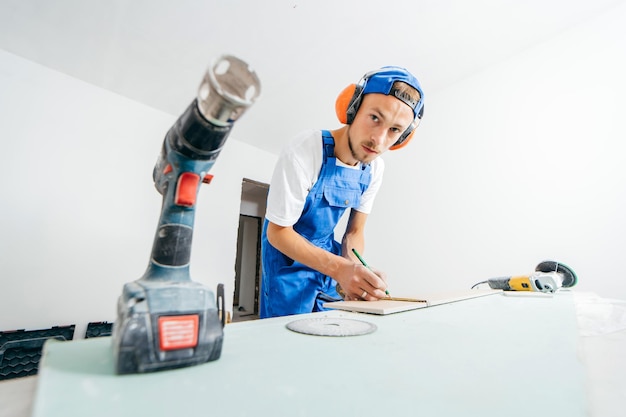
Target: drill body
164 319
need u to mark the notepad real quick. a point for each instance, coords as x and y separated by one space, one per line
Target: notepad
399 304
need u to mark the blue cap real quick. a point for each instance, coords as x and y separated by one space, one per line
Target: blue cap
381 82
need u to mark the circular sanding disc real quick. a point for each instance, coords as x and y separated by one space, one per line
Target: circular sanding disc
326 326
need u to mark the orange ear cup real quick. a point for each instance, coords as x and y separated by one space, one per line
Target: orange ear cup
343 102
404 142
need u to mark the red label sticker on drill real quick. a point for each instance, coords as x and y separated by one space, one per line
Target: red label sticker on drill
178 332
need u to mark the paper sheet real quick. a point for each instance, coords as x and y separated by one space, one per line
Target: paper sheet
399 304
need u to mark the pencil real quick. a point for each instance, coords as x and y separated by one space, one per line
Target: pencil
365 264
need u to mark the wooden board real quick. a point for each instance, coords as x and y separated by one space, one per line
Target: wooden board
399 304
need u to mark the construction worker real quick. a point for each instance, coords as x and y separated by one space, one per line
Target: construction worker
318 176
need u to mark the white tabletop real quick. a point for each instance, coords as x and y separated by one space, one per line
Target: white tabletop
491 356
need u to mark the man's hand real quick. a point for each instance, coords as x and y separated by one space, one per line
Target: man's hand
357 282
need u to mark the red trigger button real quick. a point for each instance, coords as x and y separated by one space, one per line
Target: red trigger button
187 189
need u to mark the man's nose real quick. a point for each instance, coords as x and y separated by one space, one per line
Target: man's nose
379 135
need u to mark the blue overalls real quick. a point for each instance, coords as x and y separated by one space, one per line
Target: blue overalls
289 287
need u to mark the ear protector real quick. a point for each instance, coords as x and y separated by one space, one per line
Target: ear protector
381 81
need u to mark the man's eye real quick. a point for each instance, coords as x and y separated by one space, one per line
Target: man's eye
374 118
395 130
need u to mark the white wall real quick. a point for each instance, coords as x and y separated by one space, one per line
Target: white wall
515 165
79 208
518 164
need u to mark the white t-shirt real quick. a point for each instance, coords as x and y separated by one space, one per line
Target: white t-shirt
296 172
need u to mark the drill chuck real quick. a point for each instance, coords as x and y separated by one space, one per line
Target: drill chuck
227 90
229 87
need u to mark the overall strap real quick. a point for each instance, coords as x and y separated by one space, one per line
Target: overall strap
329 149
329 145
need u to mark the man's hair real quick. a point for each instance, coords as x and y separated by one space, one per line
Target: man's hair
406 93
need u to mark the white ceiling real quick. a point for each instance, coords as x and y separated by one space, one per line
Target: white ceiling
304 51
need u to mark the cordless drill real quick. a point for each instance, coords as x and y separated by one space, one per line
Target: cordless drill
549 276
164 319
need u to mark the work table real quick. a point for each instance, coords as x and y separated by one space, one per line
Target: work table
489 356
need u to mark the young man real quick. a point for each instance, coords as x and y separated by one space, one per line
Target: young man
318 176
